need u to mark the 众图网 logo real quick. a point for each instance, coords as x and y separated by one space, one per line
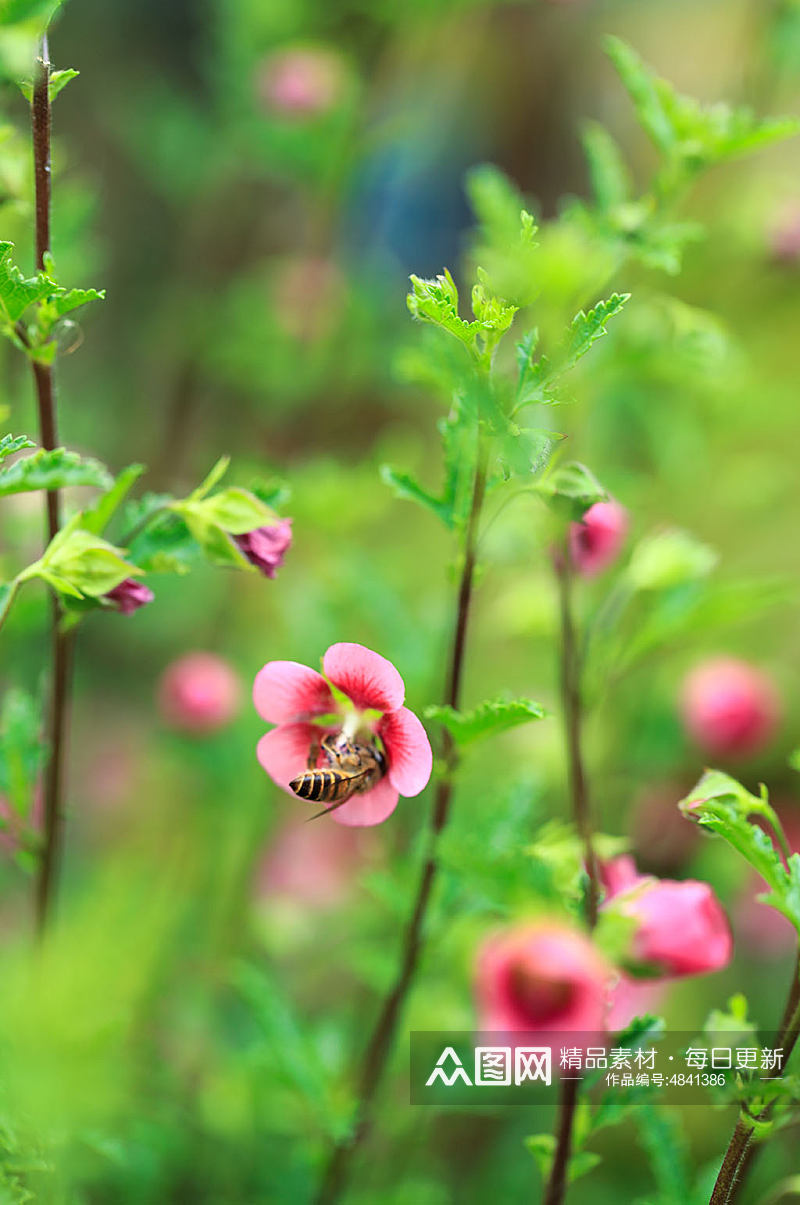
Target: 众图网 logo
495 1066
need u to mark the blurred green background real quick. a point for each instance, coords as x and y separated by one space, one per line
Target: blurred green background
191 1032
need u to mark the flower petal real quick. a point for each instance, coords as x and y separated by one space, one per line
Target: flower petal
286 690
365 677
373 807
408 749
283 752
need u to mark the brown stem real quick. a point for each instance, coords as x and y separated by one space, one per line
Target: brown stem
380 1044
572 709
557 1184
741 1152
48 434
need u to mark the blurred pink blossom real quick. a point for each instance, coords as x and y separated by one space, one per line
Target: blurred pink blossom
542 975
309 293
681 927
200 692
15 834
596 542
312 864
302 81
662 838
292 696
730 708
784 236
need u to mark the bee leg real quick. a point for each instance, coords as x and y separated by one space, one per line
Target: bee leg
313 755
325 811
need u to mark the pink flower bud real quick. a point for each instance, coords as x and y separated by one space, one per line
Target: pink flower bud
730 708
541 976
681 926
302 81
199 693
129 595
596 542
267 546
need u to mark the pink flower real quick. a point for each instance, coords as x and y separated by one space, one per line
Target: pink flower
199 692
293 697
266 546
596 542
302 81
730 708
541 976
129 595
681 927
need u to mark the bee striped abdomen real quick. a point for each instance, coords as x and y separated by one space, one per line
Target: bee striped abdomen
328 786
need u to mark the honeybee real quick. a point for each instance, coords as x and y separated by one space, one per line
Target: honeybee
352 767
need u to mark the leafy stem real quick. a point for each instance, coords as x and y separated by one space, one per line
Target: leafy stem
571 705
383 1034
45 395
741 1150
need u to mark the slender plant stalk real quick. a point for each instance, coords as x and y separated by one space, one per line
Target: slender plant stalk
48 433
742 1151
338 1170
572 710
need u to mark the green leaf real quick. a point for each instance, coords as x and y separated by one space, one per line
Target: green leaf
214 543
81 563
571 489
218 471
722 805
458 433
542 1147
14 443
662 1137
17 291
645 90
60 79
488 719
407 488
528 451
54 470
14 12
587 328
505 245
609 176
57 82
98 517
235 511
436 301
690 135
669 558
21 749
